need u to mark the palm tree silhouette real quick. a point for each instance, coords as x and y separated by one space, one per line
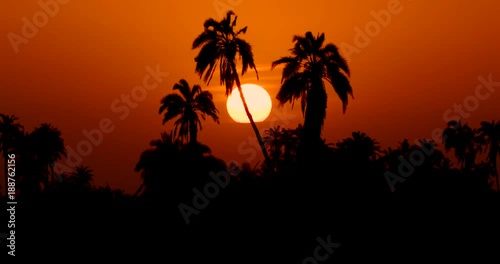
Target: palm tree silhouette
46 146
303 77
437 159
151 159
219 45
360 147
82 177
490 133
462 139
168 164
188 105
282 143
10 132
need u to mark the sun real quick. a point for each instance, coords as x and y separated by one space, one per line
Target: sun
258 101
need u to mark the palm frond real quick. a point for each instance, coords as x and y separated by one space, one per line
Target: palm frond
342 87
183 87
332 55
205 37
292 88
246 55
207 58
173 105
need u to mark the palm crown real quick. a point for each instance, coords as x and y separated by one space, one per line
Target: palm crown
189 105
461 138
220 44
311 62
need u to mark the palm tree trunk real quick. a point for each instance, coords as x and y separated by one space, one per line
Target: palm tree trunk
313 121
193 132
255 129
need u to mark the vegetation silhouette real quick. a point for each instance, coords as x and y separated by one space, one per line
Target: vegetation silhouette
462 139
489 134
258 204
275 211
10 134
188 105
313 62
220 45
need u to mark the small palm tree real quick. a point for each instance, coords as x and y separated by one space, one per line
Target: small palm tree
46 146
490 133
312 62
167 156
462 139
148 164
10 132
188 105
220 46
82 177
360 147
282 143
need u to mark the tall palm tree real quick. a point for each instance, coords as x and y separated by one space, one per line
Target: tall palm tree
312 62
189 105
462 139
490 132
10 132
46 146
220 47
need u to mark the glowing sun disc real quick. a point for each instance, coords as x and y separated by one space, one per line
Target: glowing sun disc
258 101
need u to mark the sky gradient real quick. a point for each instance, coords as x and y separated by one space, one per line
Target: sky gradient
406 72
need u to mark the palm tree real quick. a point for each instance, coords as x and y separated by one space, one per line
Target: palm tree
461 138
188 105
360 147
151 159
10 132
490 132
82 177
303 77
220 46
168 163
282 143
46 146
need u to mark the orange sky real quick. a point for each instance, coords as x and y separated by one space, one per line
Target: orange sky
425 60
